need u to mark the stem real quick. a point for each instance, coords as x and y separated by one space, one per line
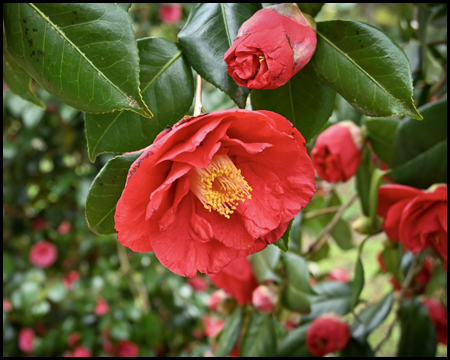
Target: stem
198 97
319 212
322 238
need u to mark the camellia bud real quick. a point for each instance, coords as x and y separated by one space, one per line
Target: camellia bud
338 152
271 47
289 319
362 225
221 302
338 275
265 298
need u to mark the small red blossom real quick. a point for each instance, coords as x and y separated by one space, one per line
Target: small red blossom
64 228
212 326
438 315
198 283
70 279
327 334
82 351
417 218
127 348
7 306
170 14
265 298
338 151
338 275
73 339
290 321
39 224
216 298
43 254
51 107
216 187
26 340
101 307
237 279
271 47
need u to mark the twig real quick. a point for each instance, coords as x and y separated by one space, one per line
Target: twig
319 212
406 284
322 238
198 97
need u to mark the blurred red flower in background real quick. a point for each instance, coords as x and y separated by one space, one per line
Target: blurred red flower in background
7 306
237 279
212 326
101 307
338 151
64 228
127 348
198 283
265 298
216 187
43 254
26 340
327 334
170 14
417 218
82 351
438 315
73 339
39 224
70 279
338 275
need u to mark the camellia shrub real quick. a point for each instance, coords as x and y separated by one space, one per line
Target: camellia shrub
267 179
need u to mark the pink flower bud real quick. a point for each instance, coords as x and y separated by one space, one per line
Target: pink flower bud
198 283
101 307
43 254
7 306
82 351
217 297
212 326
65 227
265 298
73 339
70 279
338 275
26 340
170 14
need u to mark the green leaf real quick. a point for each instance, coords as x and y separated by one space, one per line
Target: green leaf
17 79
295 236
83 54
105 192
259 339
298 291
347 112
375 182
322 253
356 349
230 333
366 67
304 100
363 176
283 242
294 344
381 134
311 9
392 258
420 148
371 317
264 263
358 282
168 89
208 33
332 296
418 336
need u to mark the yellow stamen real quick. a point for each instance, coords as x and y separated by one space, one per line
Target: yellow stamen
261 58
220 186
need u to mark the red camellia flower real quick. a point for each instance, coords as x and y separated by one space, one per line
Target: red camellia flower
39 224
438 315
64 228
101 307
338 152
127 348
265 298
198 283
170 14
26 340
7 306
216 187
327 334
271 47
73 339
417 218
43 254
82 351
70 279
237 279
338 275
212 326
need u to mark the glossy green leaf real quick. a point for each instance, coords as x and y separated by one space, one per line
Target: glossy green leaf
358 282
208 33
322 253
364 66
167 87
356 349
230 333
283 242
264 262
311 9
381 134
347 112
259 339
363 176
332 296
418 336
375 183
370 318
294 344
304 100
17 79
391 256
104 193
295 236
83 54
297 294
420 148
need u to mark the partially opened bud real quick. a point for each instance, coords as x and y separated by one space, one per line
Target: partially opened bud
362 225
271 47
221 302
265 298
338 152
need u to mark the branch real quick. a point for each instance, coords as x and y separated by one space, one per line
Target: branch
198 97
322 238
323 211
